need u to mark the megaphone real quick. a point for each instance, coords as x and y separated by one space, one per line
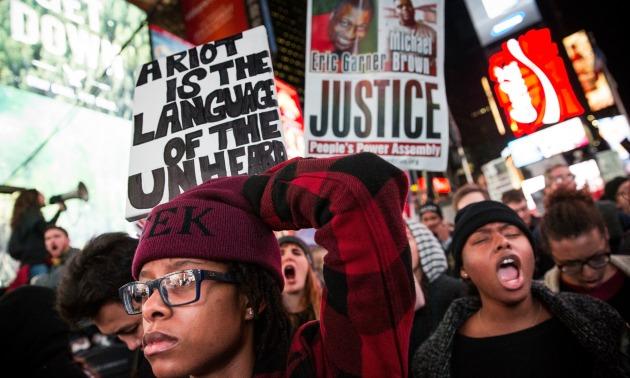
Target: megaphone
81 192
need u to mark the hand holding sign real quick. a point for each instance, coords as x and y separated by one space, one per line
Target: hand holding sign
207 112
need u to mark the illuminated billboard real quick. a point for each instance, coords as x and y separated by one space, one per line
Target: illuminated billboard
531 83
68 50
589 69
62 122
545 143
164 43
496 19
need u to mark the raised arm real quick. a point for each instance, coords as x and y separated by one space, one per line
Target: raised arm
355 202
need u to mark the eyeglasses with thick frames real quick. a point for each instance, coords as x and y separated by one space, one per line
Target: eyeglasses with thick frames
597 261
176 289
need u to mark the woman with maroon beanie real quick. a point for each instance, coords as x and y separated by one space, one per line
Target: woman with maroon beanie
213 258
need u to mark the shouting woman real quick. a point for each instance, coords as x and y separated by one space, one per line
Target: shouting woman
515 327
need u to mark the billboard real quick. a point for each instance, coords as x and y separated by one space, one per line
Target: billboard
209 20
531 83
164 43
589 69
495 19
375 81
69 50
565 136
62 121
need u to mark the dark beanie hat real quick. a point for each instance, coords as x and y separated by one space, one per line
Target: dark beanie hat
212 221
300 243
470 218
430 207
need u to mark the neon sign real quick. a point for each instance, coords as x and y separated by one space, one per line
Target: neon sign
531 83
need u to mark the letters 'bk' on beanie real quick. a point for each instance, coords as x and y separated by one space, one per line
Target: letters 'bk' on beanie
212 221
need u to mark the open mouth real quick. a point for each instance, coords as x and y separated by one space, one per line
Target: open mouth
509 272
289 272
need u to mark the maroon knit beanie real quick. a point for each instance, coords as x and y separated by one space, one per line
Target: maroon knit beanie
212 221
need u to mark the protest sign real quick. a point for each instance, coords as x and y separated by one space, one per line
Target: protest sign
207 112
375 81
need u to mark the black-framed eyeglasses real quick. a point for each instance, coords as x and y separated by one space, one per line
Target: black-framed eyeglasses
176 289
597 261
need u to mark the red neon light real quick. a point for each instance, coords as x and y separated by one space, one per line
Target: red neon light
531 83
441 185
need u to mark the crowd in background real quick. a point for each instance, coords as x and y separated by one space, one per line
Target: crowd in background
498 289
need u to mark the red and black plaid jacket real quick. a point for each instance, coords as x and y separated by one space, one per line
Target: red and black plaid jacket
355 202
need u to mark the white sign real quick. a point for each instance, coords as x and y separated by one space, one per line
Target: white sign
207 112
375 81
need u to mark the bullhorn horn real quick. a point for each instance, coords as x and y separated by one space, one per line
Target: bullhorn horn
80 192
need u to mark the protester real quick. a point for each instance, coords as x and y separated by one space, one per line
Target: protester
516 327
559 177
516 201
59 252
302 292
431 216
577 237
220 231
435 289
35 341
26 243
89 291
432 257
467 194
618 190
318 253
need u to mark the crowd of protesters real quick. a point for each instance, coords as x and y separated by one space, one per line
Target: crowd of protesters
237 292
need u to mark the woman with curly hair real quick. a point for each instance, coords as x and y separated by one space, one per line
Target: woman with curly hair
576 236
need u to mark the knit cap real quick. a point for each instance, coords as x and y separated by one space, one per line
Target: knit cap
476 215
430 207
299 242
212 221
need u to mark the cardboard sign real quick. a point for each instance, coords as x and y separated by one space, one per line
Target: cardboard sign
210 111
375 81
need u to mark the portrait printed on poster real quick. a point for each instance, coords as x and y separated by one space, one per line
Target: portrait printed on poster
344 37
410 36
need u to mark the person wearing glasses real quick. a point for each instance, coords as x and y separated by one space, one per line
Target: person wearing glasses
209 276
577 238
514 326
559 177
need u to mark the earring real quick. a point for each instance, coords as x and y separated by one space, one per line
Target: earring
249 313
465 275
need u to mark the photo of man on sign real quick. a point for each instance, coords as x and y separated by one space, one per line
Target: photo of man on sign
344 26
411 40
